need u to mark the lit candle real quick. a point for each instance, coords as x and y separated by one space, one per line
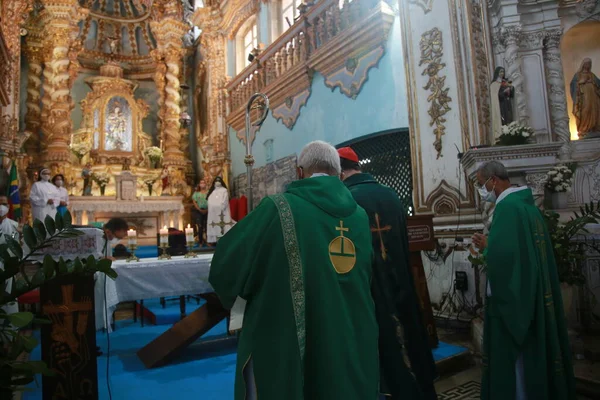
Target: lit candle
189 234
132 236
164 235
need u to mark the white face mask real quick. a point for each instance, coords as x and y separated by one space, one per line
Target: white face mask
45 178
218 184
114 241
59 183
3 210
486 195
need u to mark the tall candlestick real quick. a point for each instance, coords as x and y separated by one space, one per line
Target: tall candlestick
164 235
132 236
189 234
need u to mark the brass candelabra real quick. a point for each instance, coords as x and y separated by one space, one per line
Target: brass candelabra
164 255
132 256
190 253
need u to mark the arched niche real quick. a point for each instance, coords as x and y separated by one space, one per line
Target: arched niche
576 44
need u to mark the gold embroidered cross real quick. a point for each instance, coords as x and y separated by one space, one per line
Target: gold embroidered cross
379 229
341 228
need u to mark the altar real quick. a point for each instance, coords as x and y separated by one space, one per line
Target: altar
146 215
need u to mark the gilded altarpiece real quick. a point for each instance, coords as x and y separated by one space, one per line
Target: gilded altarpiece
112 124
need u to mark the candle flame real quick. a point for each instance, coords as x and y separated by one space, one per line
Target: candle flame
188 225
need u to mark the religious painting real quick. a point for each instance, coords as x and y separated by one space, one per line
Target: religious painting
118 125
69 343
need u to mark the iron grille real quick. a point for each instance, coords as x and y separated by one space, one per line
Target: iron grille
387 157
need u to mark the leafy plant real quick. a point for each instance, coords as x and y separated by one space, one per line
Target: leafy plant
568 253
15 373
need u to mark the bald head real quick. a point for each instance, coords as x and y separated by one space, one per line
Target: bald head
319 157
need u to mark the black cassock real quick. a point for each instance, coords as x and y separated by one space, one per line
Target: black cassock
393 289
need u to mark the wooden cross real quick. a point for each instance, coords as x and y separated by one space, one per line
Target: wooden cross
222 224
379 229
68 308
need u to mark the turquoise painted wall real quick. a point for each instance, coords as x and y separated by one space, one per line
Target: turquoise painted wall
333 117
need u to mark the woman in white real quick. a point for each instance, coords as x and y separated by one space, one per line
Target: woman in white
219 220
43 197
62 201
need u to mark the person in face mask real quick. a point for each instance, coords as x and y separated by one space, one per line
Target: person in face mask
62 201
10 228
219 220
525 340
43 197
7 225
114 231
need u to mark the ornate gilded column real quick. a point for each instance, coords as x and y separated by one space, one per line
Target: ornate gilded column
169 31
556 89
172 110
60 21
159 80
212 139
34 86
511 36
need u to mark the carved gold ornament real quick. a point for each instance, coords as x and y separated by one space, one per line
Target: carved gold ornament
426 5
431 45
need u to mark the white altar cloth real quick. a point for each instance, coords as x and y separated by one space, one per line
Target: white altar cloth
149 279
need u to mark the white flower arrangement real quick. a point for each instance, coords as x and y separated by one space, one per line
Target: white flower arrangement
514 133
154 153
560 178
101 178
80 149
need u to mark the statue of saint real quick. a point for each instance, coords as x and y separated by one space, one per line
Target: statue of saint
116 130
585 92
164 177
86 174
501 92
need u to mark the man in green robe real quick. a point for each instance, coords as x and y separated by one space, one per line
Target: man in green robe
302 261
526 347
393 289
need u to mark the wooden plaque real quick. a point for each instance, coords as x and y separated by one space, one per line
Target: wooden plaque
69 343
421 238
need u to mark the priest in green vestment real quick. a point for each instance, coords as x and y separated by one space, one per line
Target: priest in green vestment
396 300
302 261
526 347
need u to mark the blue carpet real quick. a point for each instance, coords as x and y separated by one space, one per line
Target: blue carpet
205 371
446 350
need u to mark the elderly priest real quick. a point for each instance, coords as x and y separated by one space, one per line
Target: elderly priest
302 260
526 348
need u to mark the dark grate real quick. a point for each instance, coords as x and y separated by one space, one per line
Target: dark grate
387 157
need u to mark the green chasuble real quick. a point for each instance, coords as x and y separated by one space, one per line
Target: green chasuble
524 314
302 260
397 304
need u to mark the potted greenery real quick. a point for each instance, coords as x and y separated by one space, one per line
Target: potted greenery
569 253
15 374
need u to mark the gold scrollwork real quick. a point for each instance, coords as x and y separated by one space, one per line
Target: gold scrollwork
426 5
432 51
